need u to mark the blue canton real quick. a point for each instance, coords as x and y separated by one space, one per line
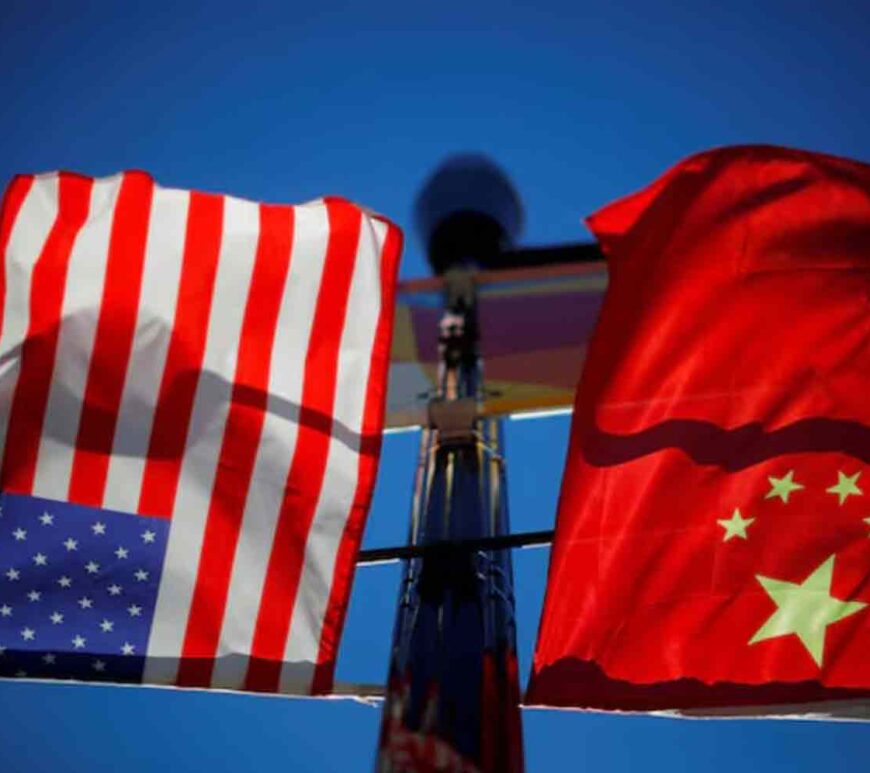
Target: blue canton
78 587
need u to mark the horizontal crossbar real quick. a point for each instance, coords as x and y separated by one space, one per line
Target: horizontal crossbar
501 542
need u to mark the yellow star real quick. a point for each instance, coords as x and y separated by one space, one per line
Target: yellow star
846 486
735 526
782 487
805 610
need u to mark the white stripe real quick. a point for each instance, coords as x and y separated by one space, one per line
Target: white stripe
277 444
26 240
81 310
543 414
342 465
161 273
402 430
211 405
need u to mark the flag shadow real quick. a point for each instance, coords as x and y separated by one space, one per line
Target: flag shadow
731 449
575 683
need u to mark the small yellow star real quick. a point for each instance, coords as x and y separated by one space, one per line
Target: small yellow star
735 526
846 486
782 487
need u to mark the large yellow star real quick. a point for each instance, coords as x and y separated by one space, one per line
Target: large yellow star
805 609
846 486
782 487
735 526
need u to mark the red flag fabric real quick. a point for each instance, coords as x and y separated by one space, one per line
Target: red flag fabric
711 548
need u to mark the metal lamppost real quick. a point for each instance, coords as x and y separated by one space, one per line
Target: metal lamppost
452 698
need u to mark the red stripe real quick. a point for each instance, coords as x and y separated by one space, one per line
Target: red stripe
239 447
12 201
40 346
307 469
113 340
184 357
370 449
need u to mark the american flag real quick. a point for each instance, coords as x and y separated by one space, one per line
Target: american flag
191 399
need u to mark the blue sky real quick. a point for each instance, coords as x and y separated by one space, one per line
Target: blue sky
579 102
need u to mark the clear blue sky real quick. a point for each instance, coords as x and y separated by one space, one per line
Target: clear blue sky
580 102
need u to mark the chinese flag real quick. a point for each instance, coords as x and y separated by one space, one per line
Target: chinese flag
712 548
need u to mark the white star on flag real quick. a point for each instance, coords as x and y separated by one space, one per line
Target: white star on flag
121 552
40 560
34 595
64 582
98 528
79 642
5 610
19 534
71 544
28 634
48 659
56 618
92 567
107 626
85 603
115 590
141 575
134 610
46 519
148 537
13 574
127 649
99 665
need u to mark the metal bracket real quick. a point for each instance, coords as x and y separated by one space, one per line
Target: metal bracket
454 420
500 542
